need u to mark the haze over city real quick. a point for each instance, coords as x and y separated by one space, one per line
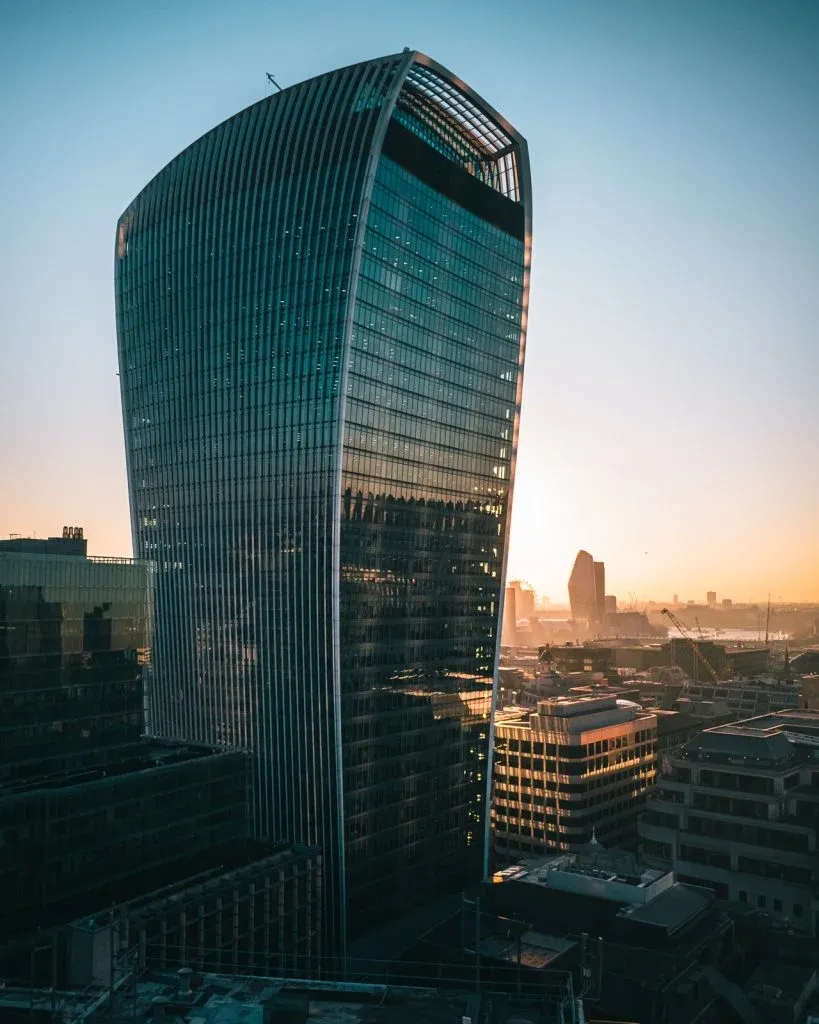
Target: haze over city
669 416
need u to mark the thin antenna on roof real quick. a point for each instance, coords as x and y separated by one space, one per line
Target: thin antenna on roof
273 81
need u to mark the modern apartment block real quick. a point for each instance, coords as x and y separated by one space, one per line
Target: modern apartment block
738 810
321 317
573 770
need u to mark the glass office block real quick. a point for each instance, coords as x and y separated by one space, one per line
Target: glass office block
321 319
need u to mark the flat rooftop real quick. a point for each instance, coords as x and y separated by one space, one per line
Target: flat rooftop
153 755
779 740
227 999
513 715
572 715
672 909
592 871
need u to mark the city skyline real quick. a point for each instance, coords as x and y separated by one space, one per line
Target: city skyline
630 599
674 150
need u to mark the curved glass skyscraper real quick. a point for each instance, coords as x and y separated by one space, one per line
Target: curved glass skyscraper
321 310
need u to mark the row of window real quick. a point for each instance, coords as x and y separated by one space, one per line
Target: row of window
778 907
250 336
418 259
441 220
490 351
444 424
510 784
452 406
642 736
410 368
386 264
441 358
569 766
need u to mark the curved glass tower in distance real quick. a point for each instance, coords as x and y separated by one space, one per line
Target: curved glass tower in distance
321 317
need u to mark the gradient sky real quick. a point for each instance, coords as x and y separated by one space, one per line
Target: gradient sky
671 403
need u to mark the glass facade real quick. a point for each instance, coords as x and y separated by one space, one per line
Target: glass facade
76 844
321 320
75 638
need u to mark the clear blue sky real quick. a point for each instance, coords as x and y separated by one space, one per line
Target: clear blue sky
670 419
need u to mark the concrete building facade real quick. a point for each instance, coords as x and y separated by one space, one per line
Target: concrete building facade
573 770
738 810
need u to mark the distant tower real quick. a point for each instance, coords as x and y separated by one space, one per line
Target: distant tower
587 589
525 603
711 599
519 603
611 604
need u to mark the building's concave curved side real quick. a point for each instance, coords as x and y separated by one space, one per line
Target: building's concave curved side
321 323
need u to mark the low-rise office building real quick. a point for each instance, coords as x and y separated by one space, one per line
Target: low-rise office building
95 814
570 770
608 893
75 639
738 810
262 916
626 939
80 841
746 697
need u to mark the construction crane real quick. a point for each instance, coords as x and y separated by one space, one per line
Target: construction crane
683 629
